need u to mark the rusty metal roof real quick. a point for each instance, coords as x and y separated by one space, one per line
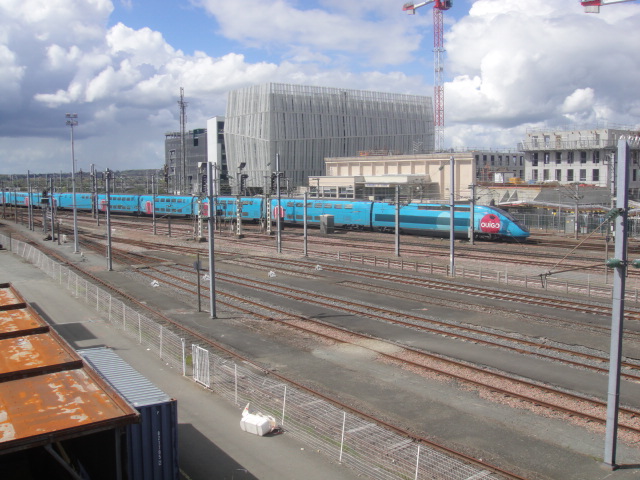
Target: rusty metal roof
47 393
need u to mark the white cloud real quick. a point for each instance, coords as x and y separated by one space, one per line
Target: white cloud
373 33
513 63
509 64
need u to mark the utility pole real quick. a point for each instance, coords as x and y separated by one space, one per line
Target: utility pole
452 209
108 215
472 214
397 232
183 152
278 207
617 310
72 121
211 226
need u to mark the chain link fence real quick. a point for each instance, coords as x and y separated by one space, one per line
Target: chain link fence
366 447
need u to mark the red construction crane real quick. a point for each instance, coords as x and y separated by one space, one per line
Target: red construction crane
438 49
593 6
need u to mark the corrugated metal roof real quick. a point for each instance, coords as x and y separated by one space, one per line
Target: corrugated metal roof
47 393
130 383
9 297
21 321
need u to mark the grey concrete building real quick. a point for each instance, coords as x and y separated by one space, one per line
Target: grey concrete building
578 155
306 124
183 175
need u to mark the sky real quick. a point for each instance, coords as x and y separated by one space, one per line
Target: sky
509 66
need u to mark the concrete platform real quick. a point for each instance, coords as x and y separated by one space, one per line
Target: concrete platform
211 443
547 448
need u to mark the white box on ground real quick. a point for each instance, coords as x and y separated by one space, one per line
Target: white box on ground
256 423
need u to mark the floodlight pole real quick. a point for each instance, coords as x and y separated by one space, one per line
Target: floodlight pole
617 309
72 121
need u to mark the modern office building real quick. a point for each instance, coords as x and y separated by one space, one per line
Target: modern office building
580 155
184 177
305 125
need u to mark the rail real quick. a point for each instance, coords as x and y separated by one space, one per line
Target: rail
558 285
364 446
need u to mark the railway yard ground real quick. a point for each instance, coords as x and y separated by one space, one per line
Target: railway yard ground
478 368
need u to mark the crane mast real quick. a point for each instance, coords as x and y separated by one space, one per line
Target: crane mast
438 63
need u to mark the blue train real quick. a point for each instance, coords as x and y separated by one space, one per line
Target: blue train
422 218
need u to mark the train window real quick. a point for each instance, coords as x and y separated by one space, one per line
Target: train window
316 218
299 205
318 205
299 217
290 204
348 206
327 205
337 206
245 214
290 216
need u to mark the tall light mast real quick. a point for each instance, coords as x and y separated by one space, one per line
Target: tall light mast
438 65
593 6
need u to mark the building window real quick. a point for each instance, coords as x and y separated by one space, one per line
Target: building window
558 158
583 174
534 160
547 155
570 175
521 160
558 175
634 174
195 142
569 157
596 156
493 160
595 175
535 175
583 157
545 174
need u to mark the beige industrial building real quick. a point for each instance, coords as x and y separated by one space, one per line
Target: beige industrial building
423 177
420 177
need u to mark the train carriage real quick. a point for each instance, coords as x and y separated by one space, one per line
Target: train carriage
433 219
165 205
65 201
346 214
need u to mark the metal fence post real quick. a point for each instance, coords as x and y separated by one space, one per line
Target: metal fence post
344 422
284 403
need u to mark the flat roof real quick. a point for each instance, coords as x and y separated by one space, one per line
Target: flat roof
47 392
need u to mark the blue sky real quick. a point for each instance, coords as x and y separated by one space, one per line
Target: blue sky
510 65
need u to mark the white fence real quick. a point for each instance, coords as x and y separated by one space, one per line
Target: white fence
364 446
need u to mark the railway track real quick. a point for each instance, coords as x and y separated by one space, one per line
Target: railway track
197 337
537 394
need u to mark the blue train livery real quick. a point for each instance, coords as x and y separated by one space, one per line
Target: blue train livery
421 218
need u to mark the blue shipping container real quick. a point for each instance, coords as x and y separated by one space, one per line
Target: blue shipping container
152 444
